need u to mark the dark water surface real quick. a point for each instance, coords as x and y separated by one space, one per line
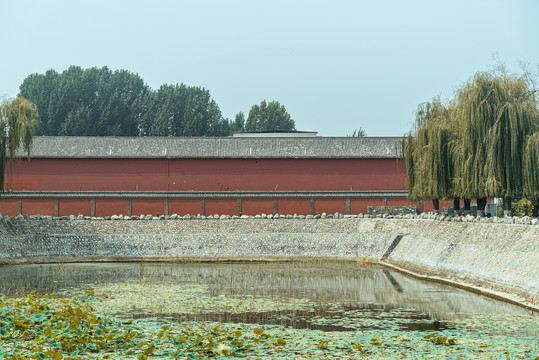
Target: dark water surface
323 295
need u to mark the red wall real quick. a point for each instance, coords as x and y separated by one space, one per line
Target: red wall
207 174
256 206
147 206
202 175
9 207
68 207
89 174
183 206
108 207
220 206
36 206
294 206
330 206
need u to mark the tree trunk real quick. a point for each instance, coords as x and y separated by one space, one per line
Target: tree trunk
456 204
535 211
466 204
436 205
481 203
507 207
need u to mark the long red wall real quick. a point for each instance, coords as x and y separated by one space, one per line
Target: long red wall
108 207
202 175
207 175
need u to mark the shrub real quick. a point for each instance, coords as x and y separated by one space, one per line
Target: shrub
522 207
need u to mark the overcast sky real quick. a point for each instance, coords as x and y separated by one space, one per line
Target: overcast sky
335 65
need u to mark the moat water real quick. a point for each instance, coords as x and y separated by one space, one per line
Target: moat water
338 299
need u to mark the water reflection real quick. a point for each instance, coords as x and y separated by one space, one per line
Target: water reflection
353 286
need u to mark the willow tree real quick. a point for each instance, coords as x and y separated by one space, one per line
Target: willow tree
427 153
17 127
495 114
406 151
531 170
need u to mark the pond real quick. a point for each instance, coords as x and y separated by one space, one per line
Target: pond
314 309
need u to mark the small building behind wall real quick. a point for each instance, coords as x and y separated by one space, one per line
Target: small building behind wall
102 176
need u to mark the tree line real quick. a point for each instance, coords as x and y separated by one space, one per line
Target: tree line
483 143
102 102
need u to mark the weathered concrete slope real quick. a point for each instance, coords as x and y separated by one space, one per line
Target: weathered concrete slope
501 257
37 240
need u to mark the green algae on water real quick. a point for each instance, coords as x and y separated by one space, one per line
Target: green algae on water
258 312
97 324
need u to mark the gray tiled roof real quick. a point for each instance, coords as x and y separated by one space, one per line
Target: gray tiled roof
212 147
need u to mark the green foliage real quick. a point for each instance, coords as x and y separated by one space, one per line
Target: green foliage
239 123
427 152
269 116
100 102
440 340
531 166
523 207
180 110
322 344
17 128
359 133
57 327
49 326
87 102
484 144
495 114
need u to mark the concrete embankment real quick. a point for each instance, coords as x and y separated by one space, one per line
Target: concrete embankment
499 259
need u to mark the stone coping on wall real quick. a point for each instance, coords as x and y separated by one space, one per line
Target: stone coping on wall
525 220
211 147
391 210
336 194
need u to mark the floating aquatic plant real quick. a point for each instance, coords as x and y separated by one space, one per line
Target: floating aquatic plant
178 320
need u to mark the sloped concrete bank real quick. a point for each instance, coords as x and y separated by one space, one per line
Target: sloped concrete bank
498 259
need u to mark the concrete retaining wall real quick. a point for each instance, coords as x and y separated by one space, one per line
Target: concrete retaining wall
500 257
25 240
503 258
